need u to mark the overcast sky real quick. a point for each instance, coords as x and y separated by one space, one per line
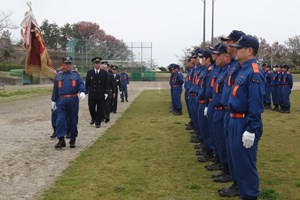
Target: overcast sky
171 25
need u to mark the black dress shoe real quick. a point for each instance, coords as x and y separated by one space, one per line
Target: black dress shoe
61 143
122 100
92 122
97 126
126 100
223 179
106 120
72 144
53 135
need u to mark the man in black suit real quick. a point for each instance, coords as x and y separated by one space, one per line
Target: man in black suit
117 85
97 89
111 87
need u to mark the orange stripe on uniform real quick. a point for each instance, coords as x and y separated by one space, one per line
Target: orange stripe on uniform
235 90
229 81
255 67
217 88
73 83
59 83
212 82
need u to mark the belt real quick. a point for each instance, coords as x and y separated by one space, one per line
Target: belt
237 115
193 94
202 101
176 85
221 108
68 95
285 85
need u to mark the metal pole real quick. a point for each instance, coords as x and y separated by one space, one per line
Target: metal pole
212 22
151 56
131 55
204 9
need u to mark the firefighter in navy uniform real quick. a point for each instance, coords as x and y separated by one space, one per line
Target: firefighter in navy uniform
269 77
67 84
286 87
124 81
176 83
245 123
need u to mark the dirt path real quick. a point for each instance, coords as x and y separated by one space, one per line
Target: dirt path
28 161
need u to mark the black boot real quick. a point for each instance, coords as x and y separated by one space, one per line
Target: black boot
68 135
122 100
126 100
231 191
61 143
72 144
275 108
53 135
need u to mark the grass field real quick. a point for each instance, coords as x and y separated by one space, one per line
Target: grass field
21 93
147 155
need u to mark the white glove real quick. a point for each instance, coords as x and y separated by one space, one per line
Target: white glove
53 105
81 95
248 139
105 96
205 112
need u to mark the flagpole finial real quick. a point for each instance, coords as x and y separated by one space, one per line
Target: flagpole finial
29 4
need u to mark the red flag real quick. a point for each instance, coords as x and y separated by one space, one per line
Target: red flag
37 57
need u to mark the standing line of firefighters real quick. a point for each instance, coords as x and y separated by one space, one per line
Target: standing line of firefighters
226 91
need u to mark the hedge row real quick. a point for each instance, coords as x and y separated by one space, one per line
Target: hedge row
8 67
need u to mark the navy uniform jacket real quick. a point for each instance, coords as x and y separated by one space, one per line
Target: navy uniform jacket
210 84
96 85
218 86
195 80
287 79
188 79
231 76
67 83
269 78
124 80
176 80
247 95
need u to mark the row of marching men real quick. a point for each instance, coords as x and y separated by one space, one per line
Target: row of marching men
224 93
279 84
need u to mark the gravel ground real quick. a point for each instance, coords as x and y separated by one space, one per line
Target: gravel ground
29 163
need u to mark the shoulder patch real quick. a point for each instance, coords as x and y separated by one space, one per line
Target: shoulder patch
255 67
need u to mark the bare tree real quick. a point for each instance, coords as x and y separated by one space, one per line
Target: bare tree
5 22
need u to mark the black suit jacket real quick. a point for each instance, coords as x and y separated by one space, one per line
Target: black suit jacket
117 81
111 84
96 84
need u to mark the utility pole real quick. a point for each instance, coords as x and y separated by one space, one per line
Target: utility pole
212 22
204 10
